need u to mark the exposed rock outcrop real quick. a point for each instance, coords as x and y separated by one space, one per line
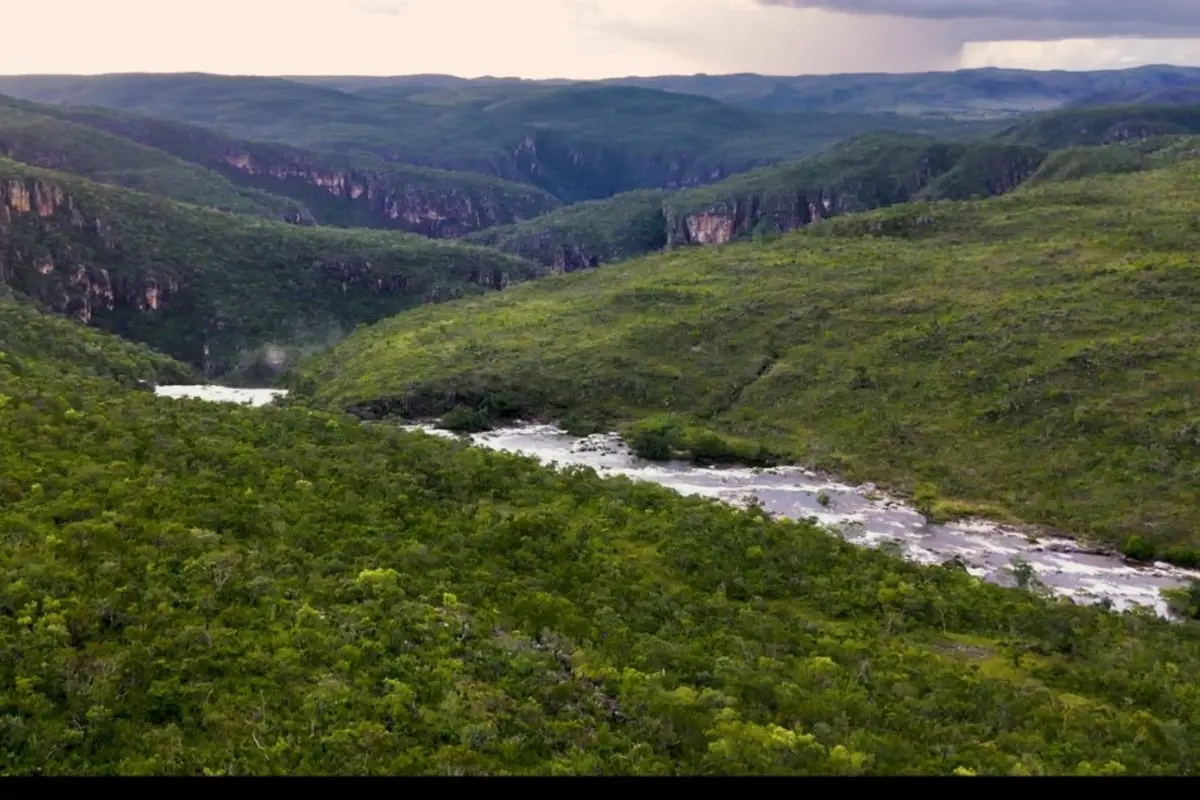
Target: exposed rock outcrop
940 171
439 209
57 269
741 216
337 190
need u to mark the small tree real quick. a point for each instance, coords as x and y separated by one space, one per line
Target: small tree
1023 573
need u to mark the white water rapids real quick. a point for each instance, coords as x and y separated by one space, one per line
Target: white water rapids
858 513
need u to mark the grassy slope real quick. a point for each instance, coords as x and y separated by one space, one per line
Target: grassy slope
1098 126
1081 162
59 144
38 346
241 282
1035 351
196 589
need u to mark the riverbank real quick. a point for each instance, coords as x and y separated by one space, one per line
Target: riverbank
863 515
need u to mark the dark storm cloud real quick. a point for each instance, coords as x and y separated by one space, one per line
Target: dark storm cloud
1034 19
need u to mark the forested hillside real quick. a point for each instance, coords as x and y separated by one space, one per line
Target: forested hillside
212 288
195 589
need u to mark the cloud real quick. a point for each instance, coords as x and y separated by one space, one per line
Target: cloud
392 9
591 38
1035 19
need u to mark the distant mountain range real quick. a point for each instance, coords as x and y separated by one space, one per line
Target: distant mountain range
976 93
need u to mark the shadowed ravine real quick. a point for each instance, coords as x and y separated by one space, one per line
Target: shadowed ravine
860 514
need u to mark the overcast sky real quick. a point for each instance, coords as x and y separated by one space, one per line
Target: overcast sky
590 38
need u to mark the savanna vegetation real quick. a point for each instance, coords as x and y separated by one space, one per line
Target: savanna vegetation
1035 353
188 588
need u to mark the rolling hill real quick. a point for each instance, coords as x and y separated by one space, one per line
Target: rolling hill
44 141
578 142
1100 126
965 93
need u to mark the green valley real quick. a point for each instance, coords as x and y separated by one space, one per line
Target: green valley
299 186
862 173
1034 352
985 321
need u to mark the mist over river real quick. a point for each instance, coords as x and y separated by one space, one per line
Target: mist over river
860 514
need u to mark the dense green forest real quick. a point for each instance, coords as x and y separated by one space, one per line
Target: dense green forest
1034 352
210 288
187 588
43 349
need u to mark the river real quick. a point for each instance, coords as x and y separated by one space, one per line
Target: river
860 514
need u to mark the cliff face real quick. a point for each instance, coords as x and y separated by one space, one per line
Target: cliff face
341 194
742 215
337 190
45 252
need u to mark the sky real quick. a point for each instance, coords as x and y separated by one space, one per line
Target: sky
587 39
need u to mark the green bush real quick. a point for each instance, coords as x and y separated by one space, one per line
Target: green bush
1139 549
464 420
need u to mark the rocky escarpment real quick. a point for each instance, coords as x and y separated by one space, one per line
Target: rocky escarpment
417 201
207 287
740 216
337 190
46 250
